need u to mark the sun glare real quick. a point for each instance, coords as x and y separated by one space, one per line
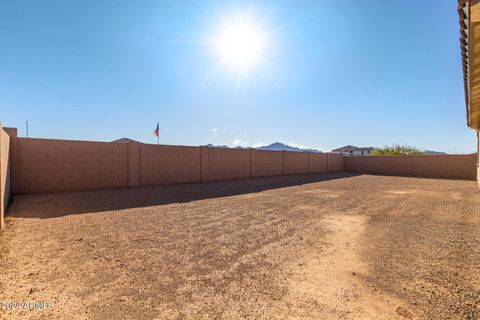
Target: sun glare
240 45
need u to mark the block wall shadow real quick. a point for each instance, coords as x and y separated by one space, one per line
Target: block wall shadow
51 205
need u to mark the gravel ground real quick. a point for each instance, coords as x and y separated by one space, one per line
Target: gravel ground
332 246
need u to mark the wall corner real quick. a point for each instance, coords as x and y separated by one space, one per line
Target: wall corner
2 192
478 158
13 159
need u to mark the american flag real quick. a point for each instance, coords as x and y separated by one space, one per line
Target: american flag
157 130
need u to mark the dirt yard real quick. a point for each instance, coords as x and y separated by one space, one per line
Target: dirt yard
332 246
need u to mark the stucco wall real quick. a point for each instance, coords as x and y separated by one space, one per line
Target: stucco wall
4 173
435 166
61 165
160 164
267 163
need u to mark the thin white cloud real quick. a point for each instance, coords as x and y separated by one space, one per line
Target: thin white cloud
258 145
302 146
238 142
297 145
214 131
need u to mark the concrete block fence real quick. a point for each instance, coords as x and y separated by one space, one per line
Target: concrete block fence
5 171
46 165
450 166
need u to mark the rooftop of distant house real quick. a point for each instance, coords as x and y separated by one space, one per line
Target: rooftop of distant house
353 148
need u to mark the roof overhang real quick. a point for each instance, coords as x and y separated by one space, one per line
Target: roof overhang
469 14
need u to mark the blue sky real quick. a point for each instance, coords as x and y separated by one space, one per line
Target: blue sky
366 73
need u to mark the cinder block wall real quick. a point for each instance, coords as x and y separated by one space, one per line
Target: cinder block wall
318 162
434 166
334 162
225 164
45 165
266 163
295 163
4 173
161 164
478 157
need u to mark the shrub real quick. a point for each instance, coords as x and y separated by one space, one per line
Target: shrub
397 149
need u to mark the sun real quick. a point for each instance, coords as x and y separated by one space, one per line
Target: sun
240 44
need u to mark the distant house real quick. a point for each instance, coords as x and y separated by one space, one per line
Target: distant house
354 151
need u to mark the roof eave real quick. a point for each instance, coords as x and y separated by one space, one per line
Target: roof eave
463 13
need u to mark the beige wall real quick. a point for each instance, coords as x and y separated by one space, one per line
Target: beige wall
224 164
335 162
295 162
267 163
4 173
435 166
478 172
478 168
63 165
12 132
478 157
43 165
160 164
318 162
133 165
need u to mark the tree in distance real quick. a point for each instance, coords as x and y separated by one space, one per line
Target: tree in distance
397 149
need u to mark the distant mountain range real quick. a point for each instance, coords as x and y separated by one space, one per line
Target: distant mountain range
213 146
277 146
433 152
